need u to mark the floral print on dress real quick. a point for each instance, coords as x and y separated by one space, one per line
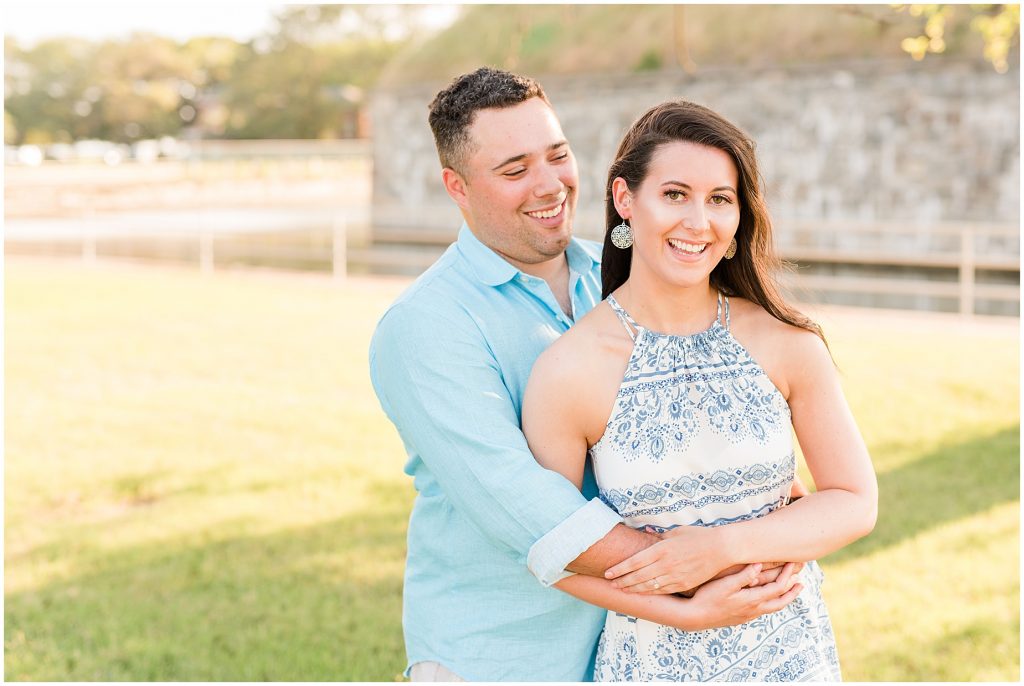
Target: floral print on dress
713 384
699 436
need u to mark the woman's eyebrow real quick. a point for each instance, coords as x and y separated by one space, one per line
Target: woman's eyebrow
687 186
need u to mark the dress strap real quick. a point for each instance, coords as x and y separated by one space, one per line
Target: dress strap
627 321
723 299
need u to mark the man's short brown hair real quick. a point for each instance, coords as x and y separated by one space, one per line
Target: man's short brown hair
453 109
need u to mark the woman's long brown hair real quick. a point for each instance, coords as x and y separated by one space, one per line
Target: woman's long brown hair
752 273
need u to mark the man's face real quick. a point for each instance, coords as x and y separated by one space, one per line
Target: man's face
520 183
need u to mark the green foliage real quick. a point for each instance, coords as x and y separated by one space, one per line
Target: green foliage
999 29
533 39
649 61
70 89
10 129
200 484
306 79
620 38
998 26
540 37
295 90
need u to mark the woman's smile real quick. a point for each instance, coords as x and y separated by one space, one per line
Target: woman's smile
687 251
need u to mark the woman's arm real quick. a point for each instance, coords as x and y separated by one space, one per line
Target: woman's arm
552 422
724 602
842 510
553 427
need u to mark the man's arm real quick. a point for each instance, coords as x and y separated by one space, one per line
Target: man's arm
617 545
439 383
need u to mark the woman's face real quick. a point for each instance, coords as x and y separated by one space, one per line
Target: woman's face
684 214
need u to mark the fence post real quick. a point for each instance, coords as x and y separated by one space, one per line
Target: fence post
339 255
967 272
206 252
89 247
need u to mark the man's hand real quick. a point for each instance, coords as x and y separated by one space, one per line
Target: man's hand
734 600
770 571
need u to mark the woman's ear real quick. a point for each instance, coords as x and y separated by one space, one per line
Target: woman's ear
622 198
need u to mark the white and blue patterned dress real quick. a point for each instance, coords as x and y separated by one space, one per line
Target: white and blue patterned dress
700 436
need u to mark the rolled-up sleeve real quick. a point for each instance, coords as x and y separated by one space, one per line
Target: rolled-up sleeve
438 381
549 556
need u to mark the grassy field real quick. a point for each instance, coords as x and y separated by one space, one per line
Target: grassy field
200 484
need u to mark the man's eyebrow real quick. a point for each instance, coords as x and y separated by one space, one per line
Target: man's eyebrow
517 158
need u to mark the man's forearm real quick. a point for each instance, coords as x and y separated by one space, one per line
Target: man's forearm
617 545
622 542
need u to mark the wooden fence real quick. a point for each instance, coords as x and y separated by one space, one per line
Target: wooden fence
965 264
943 260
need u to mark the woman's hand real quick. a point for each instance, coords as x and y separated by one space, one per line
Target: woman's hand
771 573
686 557
731 600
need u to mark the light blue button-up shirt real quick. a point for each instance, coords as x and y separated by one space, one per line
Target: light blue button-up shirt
490 529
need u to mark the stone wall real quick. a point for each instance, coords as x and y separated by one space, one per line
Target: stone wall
874 143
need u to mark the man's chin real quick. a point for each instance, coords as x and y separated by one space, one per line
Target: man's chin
561 233
557 241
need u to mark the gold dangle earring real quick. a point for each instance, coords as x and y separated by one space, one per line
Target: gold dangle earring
730 252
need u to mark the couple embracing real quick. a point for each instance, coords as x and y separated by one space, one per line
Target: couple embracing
601 439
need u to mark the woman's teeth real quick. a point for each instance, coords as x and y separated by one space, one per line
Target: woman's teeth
692 248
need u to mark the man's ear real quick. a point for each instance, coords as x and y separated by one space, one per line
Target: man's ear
455 184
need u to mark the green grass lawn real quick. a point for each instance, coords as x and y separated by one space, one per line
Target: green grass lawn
200 484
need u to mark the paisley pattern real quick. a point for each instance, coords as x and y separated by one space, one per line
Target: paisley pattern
699 436
699 490
711 382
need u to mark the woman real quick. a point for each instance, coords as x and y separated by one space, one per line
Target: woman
688 382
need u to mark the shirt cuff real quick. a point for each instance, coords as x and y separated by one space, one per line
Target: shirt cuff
586 526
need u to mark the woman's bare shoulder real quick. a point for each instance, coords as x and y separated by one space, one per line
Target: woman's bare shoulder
782 349
585 365
750 319
597 337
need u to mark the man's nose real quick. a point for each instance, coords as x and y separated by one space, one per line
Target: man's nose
548 182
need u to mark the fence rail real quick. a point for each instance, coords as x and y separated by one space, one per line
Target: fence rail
860 270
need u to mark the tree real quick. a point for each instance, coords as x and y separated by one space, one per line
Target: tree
143 85
307 78
998 25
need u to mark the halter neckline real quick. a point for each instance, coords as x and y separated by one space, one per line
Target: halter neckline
633 329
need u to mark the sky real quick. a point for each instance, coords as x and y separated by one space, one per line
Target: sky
30 22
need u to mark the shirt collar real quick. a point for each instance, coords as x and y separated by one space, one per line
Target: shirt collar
493 270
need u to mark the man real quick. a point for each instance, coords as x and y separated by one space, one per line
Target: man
449 362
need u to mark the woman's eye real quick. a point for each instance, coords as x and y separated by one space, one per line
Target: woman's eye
720 200
674 195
